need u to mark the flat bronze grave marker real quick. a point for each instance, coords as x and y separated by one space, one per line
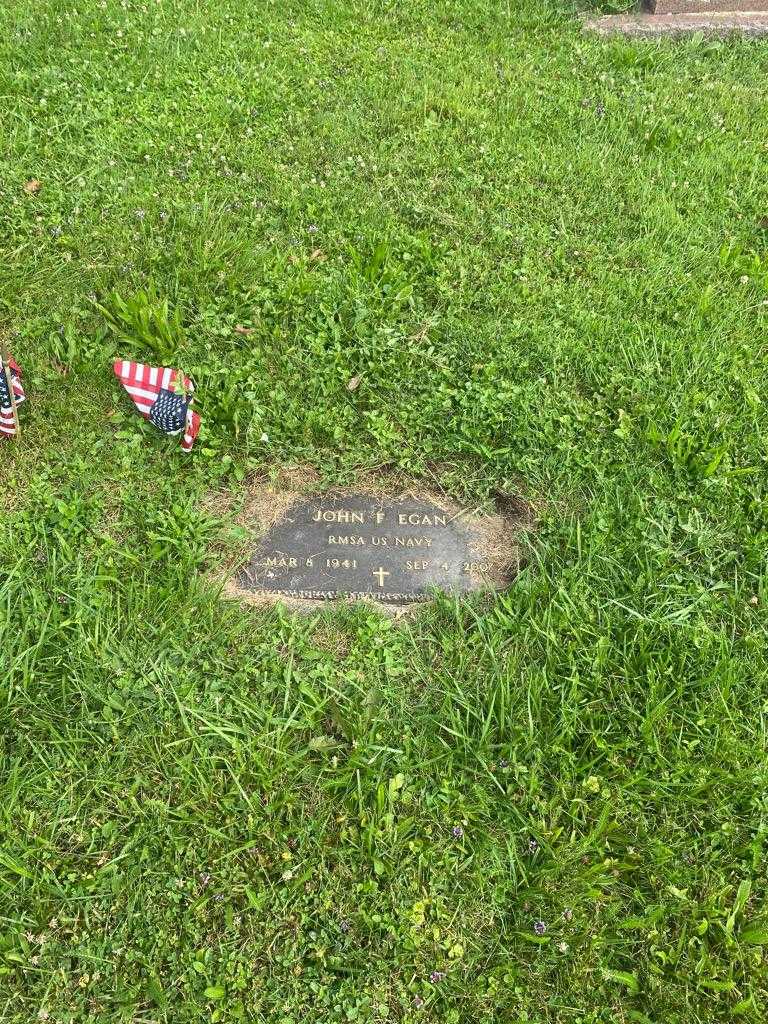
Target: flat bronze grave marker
392 550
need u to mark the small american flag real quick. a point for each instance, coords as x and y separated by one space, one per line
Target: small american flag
7 417
153 390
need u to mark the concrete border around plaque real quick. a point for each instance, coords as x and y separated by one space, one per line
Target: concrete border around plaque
674 18
358 544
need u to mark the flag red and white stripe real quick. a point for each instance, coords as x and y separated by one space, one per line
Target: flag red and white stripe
144 384
8 419
191 430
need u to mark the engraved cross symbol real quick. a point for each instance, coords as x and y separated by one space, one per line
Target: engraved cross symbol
380 574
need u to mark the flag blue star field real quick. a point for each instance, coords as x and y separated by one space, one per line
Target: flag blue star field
8 424
169 412
152 389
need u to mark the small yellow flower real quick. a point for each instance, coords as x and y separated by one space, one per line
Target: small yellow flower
592 784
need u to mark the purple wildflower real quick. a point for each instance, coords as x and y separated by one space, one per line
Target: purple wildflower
532 845
457 832
436 977
418 1002
539 927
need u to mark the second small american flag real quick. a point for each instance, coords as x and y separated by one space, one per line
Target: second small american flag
11 397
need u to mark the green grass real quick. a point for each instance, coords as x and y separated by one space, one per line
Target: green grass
546 257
